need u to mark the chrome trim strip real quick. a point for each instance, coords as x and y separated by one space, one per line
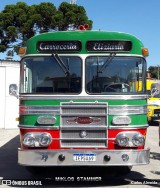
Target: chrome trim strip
111 110
82 127
35 157
127 109
39 127
83 139
82 97
41 110
129 127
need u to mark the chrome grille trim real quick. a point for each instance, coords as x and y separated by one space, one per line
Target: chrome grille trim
38 127
70 129
89 127
112 110
40 109
82 97
86 139
127 109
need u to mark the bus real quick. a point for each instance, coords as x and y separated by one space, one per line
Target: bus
83 100
154 102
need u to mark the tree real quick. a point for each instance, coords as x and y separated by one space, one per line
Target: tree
154 71
19 22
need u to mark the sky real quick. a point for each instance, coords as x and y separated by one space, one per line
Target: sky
140 18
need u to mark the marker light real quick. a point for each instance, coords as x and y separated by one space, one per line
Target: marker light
86 26
81 27
145 52
22 51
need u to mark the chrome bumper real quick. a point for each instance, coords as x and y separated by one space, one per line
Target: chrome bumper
65 157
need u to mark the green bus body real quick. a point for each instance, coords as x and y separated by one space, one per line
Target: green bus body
83 100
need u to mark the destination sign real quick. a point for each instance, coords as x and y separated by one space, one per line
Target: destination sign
108 46
59 46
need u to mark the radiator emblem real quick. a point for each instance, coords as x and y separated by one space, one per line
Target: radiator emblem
83 120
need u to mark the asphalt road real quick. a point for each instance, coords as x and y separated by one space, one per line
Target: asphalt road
140 176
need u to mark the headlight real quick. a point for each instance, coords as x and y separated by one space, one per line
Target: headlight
37 139
45 139
29 140
138 140
122 140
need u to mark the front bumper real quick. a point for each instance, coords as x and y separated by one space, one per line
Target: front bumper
103 157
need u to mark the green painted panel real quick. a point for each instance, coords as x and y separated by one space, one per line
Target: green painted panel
57 102
84 36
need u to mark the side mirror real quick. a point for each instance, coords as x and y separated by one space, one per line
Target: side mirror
13 90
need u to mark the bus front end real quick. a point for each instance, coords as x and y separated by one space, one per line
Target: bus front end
83 100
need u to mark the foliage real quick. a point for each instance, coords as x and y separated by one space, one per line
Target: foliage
19 22
153 71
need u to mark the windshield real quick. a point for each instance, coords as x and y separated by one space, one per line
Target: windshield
51 74
111 74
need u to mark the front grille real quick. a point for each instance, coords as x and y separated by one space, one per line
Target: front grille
83 125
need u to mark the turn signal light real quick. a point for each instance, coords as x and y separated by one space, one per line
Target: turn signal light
22 51
145 52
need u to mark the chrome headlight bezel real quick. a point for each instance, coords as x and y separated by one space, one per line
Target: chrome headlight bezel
132 139
37 139
122 140
138 140
29 140
45 139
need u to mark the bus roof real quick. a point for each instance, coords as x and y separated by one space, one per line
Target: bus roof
87 41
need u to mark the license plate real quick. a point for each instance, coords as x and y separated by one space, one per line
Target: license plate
84 157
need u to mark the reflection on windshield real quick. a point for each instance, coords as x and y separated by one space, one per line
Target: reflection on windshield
120 75
45 75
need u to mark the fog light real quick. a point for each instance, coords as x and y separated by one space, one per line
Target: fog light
29 140
138 139
45 139
122 140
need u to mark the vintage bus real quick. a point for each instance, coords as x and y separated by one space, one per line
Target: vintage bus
83 100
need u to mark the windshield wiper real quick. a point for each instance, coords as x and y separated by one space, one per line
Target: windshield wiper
61 64
109 59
